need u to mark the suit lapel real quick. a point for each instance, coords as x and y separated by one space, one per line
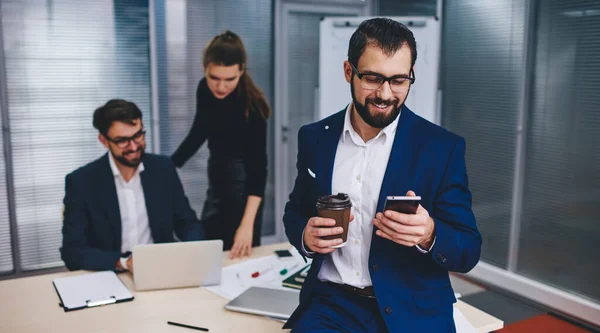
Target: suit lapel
326 150
108 195
397 179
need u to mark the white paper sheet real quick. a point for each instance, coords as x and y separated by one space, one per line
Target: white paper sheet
235 279
462 324
82 290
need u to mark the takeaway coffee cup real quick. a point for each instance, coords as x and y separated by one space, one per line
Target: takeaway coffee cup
337 207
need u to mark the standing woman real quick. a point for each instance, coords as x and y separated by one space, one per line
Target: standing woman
231 113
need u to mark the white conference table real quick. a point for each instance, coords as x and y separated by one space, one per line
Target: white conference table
31 305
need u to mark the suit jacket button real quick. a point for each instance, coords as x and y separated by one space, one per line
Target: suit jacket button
388 310
374 268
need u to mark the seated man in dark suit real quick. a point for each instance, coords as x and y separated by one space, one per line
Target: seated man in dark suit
124 198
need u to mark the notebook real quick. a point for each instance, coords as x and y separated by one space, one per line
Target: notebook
296 280
89 290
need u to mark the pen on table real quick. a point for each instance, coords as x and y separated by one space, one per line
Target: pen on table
257 273
286 270
188 326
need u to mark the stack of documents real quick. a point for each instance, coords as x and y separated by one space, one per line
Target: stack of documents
462 324
296 280
267 272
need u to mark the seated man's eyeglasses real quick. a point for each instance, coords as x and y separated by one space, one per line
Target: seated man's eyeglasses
124 142
373 81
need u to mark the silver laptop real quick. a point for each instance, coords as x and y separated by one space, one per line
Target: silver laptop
274 303
177 265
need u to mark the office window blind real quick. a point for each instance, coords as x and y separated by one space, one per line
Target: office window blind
303 71
561 208
407 7
190 25
482 50
64 59
6 257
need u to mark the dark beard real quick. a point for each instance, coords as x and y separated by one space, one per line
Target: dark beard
379 120
134 163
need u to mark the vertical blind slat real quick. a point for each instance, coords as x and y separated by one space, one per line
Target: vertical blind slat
6 257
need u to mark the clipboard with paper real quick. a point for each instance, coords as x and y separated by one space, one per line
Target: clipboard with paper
90 290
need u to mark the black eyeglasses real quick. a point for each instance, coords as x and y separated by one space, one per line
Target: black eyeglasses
124 142
373 81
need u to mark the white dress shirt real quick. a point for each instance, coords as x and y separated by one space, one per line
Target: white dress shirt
132 205
358 171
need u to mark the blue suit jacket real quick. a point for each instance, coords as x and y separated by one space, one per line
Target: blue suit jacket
413 289
92 219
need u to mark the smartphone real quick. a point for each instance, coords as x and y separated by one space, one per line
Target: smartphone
284 254
403 204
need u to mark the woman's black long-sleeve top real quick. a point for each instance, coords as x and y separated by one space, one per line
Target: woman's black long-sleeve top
223 122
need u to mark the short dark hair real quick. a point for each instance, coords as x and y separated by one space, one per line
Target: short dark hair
115 110
387 34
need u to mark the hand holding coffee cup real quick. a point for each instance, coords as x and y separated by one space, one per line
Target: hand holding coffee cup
328 231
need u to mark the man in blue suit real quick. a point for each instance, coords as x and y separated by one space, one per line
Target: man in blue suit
124 198
392 273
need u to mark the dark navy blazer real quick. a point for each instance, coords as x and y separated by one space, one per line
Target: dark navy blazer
413 289
92 219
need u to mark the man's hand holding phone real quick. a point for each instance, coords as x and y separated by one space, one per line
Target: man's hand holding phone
406 229
318 227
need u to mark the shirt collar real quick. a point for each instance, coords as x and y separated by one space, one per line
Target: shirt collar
389 131
115 169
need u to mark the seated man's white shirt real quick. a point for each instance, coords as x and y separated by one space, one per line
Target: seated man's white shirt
132 206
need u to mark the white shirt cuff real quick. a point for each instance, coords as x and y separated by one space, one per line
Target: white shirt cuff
305 252
421 249
123 261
